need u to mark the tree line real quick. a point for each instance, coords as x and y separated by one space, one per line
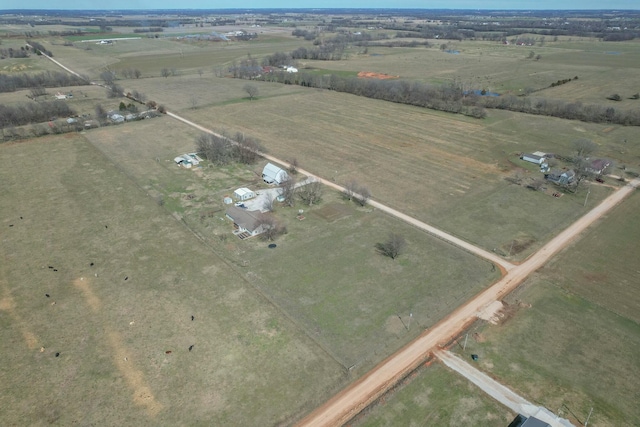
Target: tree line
26 113
222 150
10 82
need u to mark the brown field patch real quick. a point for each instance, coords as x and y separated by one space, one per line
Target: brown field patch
333 212
372 75
82 283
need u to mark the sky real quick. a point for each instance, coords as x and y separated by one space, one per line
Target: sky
304 4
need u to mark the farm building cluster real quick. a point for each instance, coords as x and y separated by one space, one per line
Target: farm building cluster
562 176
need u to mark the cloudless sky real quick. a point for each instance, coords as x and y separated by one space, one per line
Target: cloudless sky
304 4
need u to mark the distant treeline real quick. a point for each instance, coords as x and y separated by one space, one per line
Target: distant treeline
149 30
39 48
10 82
452 98
33 112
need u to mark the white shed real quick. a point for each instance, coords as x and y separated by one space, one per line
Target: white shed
243 194
538 160
271 174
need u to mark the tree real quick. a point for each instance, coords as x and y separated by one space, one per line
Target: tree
583 173
200 72
288 191
362 195
251 90
311 193
165 72
350 189
114 91
270 226
584 147
293 166
393 246
268 204
101 113
137 73
108 77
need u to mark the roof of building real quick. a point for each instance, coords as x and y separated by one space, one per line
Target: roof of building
271 170
532 156
534 422
249 220
242 191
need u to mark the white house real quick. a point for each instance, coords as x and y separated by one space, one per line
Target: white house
188 160
243 194
533 158
245 221
291 70
271 174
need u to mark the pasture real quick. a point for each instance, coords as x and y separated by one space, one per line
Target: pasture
445 170
103 335
358 310
576 347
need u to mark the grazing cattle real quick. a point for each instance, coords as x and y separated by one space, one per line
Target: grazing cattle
46 295
192 318
191 347
10 225
51 266
126 278
91 264
168 352
20 217
106 226
57 354
55 269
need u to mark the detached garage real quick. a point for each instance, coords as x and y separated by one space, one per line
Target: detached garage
243 194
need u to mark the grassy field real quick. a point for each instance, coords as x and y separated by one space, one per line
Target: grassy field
357 308
436 396
576 347
443 169
114 323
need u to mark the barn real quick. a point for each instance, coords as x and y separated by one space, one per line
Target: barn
243 193
272 174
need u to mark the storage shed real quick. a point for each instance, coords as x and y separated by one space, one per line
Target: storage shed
272 174
533 158
243 194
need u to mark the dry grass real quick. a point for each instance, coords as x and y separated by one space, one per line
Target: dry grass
112 334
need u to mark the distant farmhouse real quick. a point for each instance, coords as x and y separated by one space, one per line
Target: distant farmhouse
561 177
271 174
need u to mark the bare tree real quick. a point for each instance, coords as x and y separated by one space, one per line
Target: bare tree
362 195
311 193
108 77
200 72
584 147
537 184
270 226
252 91
268 204
288 191
350 189
293 166
165 72
137 73
583 173
393 246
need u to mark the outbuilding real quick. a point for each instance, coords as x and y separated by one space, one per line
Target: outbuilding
243 194
272 174
533 158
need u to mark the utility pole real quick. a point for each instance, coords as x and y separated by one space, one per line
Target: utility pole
587 197
589 416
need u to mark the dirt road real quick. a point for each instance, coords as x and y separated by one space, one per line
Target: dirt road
346 404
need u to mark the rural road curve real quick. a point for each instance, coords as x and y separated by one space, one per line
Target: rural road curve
502 394
357 396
